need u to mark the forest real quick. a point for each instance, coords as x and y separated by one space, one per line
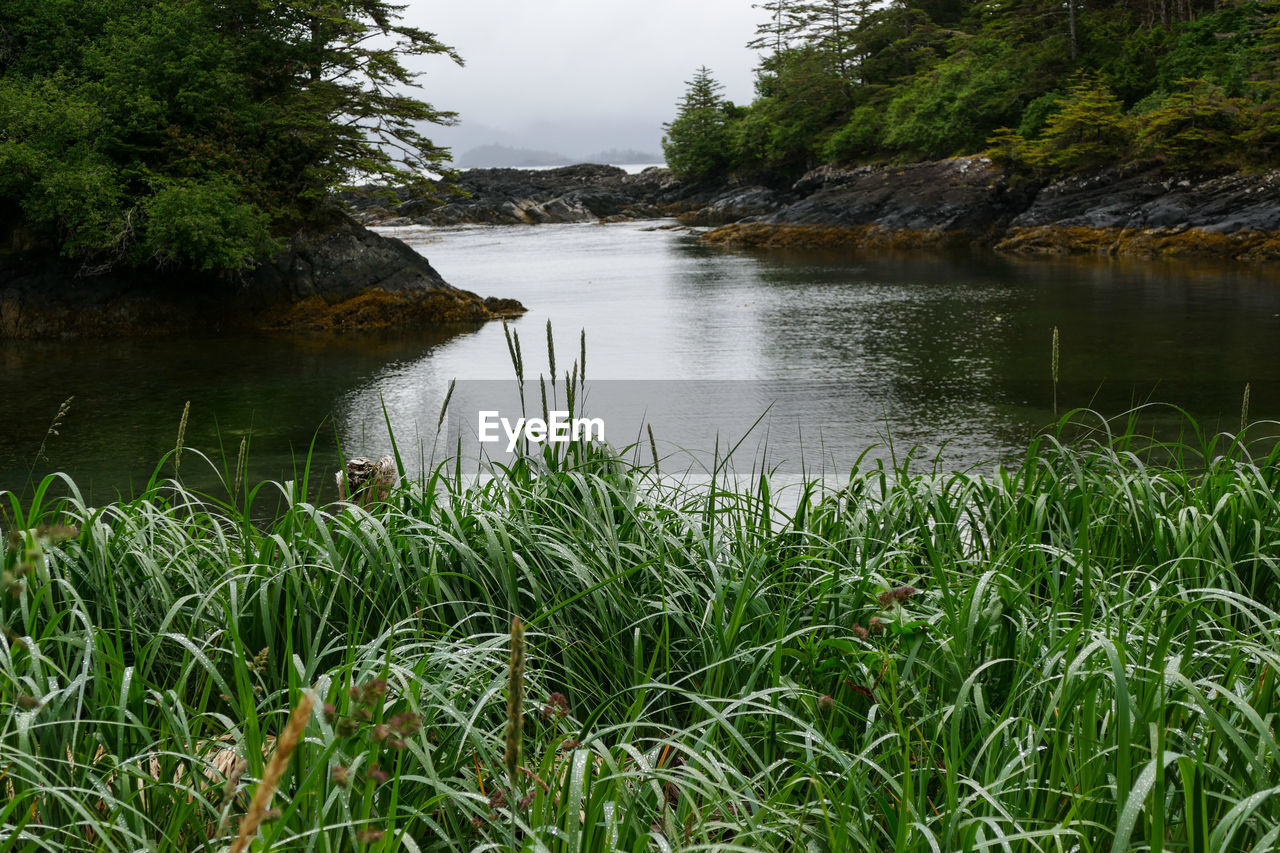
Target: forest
1048 86
198 133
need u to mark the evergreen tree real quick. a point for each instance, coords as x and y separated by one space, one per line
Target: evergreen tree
199 132
781 28
829 26
1089 130
904 79
696 143
1195 127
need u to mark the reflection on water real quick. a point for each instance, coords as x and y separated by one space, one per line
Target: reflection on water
281 393
927 350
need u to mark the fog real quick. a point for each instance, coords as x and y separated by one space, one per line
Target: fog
577 76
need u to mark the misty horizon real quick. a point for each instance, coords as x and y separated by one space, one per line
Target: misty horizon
576 77
576 139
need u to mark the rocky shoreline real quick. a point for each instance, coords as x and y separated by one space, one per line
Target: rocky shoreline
337 278
1139 210
343 276
584 193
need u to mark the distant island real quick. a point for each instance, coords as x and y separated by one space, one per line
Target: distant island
491 156
497 156
621 156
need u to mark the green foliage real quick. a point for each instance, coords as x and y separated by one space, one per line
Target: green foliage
1124 54
696 144
203 223
1195 127
233 117
1037 113
942 76
782 134
1261 135
1220 48
829 26
1079 648
859 137
951 109
1008 148
1089 129
52 161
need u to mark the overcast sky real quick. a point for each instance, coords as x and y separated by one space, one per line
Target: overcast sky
577 76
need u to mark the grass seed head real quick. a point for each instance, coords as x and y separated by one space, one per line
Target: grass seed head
182 434
557 706
513 740
285 746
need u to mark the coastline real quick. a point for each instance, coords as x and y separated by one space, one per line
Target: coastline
344 276
339 277
1139 210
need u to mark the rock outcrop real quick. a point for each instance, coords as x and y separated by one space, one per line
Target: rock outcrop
343 276
583 193
970 201
733 205
966 201
960 202
1146 212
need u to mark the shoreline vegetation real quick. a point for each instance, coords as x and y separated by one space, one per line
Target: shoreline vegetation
168 166
1133 127
1076 650
1047 88
188 164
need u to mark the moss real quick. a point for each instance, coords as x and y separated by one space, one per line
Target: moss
380 309
1244 245
779 236
1241 245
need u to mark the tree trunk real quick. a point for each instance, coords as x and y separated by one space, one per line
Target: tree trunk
316 45
1071 27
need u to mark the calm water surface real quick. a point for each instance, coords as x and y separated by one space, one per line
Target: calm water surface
949 353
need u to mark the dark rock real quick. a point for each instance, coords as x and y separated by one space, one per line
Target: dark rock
600 201
735 205
1150 199
580 193
963 201
970 199
1148 212
825 177
1140 210
340 277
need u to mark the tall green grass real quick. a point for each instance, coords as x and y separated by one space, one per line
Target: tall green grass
1074 652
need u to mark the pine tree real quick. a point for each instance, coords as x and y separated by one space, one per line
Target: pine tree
1195 127
200 132
696 144
829 25
1090 129
782 27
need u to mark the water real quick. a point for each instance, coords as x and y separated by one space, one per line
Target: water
947 353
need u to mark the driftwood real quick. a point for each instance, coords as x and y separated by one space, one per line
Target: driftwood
365 482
